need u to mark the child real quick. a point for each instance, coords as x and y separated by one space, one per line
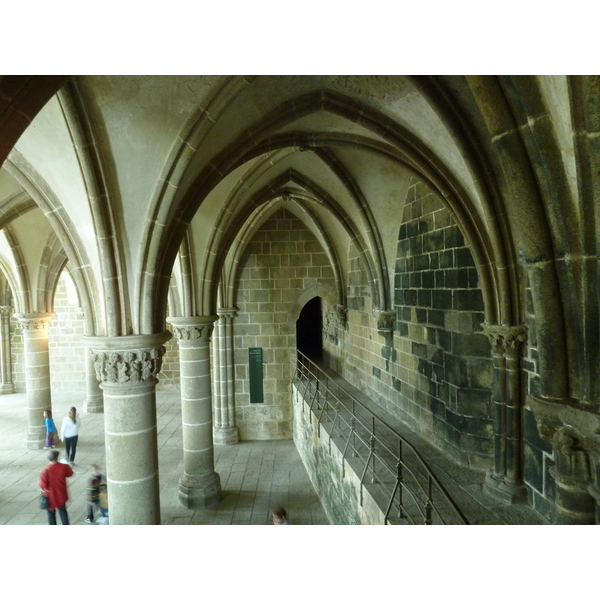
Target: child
103 520
280 516
50 429
93 492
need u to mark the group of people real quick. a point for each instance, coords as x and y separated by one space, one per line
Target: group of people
53 479
69 433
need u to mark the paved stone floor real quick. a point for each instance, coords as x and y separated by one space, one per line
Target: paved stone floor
255 476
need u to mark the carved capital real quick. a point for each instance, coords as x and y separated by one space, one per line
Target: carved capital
127 359
35 322
227 312
5 311
505 338
385 321
342 313
191 329
127 366
191 333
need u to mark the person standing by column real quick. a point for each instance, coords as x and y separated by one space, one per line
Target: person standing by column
53 481
69 433
50 429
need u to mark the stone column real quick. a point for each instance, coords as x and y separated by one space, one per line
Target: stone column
225 429
506 478
127 367
94 400
199 486
6 386
37 375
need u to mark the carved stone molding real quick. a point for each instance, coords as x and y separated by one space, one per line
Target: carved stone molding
552 414
5 311
505 338
128 366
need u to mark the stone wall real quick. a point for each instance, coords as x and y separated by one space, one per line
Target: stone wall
65 333
168 378
435 372
65 348
538 454
283 262
338 488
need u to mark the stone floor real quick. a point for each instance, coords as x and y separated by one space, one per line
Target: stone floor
255 476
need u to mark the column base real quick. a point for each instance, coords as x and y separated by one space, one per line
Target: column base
35 441
199 491
7 388
507 491
94 405
226 435
574 503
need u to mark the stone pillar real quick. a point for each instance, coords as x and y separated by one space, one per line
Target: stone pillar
127 367
6 386
505 480
37 375
199 486
94 400
225 429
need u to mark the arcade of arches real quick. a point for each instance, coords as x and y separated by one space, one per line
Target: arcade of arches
434 237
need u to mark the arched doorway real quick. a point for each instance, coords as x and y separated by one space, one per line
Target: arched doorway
309 330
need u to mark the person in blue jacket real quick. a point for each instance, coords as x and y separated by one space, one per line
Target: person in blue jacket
50 429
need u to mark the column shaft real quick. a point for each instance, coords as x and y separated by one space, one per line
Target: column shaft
127 367
132 454
200 485
37 375
94 400
6 386
506 478
226 431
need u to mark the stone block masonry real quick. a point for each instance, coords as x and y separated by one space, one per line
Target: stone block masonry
435 373
66 351
283 260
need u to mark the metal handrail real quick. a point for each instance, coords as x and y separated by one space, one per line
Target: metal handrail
392 463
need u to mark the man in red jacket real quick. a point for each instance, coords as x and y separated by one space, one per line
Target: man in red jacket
53 481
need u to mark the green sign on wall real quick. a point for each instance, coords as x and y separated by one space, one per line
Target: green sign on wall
255 368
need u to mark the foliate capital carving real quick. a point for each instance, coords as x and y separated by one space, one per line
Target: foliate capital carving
191 333
5 311
127 366
191 329
385 321
505 338
35 322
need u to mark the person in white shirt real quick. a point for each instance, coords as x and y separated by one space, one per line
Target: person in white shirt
69 433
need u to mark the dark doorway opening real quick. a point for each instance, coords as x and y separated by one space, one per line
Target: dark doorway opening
309 330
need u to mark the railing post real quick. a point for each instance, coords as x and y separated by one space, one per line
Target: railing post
412 488
372 449
429 505
399 478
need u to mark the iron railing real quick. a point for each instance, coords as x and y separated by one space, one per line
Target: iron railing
394 471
